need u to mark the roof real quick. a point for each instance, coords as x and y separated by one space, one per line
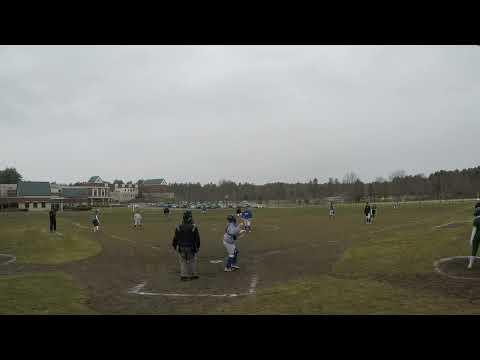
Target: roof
95 179
33 188
155 182
75 193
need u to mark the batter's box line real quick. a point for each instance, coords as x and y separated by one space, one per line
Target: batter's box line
138 291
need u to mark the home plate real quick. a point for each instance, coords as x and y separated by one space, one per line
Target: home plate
216 261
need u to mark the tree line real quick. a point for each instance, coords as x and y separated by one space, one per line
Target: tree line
399 186
441 184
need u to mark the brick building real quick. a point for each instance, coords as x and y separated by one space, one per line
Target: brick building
155 190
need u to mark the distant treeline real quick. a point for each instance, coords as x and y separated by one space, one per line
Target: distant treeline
439 185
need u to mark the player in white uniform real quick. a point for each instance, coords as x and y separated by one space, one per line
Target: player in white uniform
137 220
232 233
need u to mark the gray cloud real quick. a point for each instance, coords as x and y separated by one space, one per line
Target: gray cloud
247 113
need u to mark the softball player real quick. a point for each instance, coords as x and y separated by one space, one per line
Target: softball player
475 237
232 233
368 213
332 211
247 219
137 220
96 222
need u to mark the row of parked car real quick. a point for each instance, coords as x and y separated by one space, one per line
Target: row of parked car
201 205
214 205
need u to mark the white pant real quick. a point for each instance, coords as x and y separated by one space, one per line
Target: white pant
247 222
137 222
230 248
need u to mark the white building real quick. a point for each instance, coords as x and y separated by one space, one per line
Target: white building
8 190
124 193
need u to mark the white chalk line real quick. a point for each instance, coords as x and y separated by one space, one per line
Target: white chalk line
273 227
436 266
81 226
120 238
138 291
12 259
216 261
451 223
253 284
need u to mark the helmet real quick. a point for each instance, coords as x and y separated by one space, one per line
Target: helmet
231 219
187 217
477 205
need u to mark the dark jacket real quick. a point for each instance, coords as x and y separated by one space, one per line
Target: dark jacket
53 215
186 236
367 210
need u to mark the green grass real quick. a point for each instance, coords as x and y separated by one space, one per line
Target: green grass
324 267
28 238
327 295
41 294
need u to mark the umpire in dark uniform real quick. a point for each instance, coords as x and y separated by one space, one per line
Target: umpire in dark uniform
53 220
186 243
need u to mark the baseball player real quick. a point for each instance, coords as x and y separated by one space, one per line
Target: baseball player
232 233
96 221
247 218
475 237
137 220
332 211
368 213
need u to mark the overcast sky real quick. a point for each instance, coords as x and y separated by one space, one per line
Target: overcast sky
245 113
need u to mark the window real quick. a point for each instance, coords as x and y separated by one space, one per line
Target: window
43 205
27 205
35 205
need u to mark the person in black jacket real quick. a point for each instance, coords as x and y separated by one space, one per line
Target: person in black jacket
186 243
53 220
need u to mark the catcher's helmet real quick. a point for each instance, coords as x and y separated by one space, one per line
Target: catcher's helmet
231 219
187 217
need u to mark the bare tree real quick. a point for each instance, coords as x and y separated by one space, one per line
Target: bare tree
397 174
350 178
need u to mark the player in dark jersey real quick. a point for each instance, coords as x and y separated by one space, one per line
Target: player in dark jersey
475 237
477 205
332 211
368 213
374 212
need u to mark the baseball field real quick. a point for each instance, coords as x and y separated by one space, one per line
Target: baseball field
295 261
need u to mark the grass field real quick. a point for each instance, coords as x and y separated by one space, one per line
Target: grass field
296 261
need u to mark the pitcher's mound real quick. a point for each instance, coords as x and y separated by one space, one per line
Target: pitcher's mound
456 268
